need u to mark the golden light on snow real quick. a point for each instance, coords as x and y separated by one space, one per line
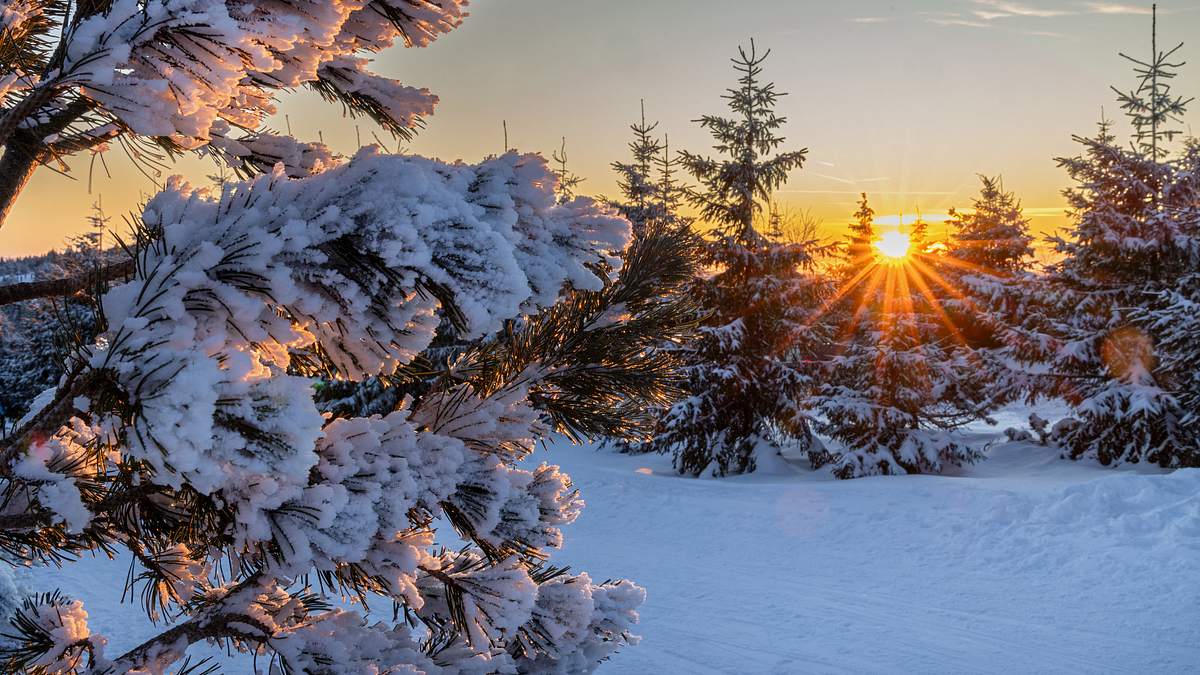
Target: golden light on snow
893 245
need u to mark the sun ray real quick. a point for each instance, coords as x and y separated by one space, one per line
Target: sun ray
921 366
941 281
841 292
963 264
889 298
936 305
889 323
872 286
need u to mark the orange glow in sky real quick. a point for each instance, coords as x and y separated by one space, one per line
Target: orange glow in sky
912 110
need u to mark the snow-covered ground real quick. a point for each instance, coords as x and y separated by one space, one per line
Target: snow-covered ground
1023 564
1028 564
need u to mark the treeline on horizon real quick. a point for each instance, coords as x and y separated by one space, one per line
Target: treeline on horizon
869 364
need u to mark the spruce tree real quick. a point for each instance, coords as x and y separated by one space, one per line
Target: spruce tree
749 369
1173 316
989 255
568 181
993 237
899 380
669 193
860 242
856 255
640 201
1100 327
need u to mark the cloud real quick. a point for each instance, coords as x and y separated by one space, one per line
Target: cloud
1001 9
1045 34
986 13
938 193
957 22
1111 8
872 19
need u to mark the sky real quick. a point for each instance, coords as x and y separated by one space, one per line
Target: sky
908 101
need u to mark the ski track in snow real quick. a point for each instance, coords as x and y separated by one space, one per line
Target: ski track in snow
1025 563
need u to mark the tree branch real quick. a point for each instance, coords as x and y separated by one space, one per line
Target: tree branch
216 623
25 149
47 421
22 156
34 519
52 288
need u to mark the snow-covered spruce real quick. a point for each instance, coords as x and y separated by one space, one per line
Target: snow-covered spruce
988 258
1106 327
187 436
899 378
747 372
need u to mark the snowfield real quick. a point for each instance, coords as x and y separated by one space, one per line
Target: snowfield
1023 564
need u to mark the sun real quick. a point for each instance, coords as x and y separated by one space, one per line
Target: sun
893 245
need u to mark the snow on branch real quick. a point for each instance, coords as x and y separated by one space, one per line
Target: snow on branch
186 435
190 74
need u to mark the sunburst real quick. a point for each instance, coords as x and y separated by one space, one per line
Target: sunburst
894 246
896 272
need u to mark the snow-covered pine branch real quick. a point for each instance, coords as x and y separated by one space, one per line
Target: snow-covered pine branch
198 75
187 436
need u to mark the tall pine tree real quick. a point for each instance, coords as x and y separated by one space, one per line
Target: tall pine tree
640 204
1102 327
749 369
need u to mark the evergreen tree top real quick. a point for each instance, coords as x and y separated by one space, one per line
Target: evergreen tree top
735 188
635 176
995 236
669 192
864 220
1152 106
567 179
856 251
